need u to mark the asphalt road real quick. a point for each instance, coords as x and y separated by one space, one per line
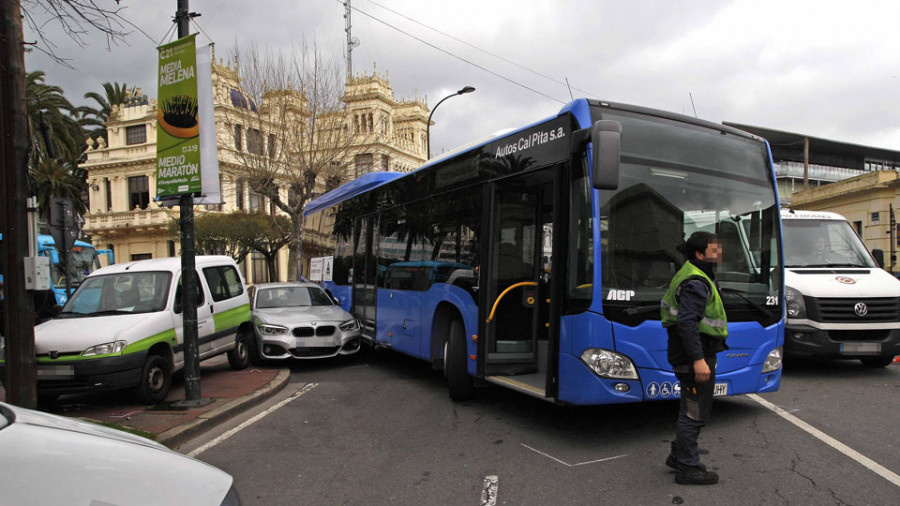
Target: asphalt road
379 428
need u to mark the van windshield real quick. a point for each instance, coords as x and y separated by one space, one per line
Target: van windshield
122 293
823 243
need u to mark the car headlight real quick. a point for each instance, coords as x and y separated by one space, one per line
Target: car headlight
609 364
773 361
271 330
105 349
349 325
796 306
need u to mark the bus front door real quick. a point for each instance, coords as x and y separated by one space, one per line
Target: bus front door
512 302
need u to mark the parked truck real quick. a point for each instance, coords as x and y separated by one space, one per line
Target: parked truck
841 304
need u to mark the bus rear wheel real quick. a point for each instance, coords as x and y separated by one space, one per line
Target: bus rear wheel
460 384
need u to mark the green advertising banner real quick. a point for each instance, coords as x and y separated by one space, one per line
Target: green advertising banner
178 127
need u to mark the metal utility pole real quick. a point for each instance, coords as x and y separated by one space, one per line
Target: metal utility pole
20 378
188 264
464 90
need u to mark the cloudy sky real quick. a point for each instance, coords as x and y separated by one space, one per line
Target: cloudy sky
823 68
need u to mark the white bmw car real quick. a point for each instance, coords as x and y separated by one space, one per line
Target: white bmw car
300 320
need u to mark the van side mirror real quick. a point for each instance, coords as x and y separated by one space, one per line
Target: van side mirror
606 137
879 257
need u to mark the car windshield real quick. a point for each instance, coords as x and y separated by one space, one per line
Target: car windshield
292 296
122 293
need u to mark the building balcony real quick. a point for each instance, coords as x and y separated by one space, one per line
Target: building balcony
135 221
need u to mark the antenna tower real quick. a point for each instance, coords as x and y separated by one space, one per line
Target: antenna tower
351 42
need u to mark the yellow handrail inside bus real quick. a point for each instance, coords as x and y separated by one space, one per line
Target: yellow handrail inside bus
517 285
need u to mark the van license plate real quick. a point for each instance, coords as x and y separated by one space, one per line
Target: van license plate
56 371
721 389
861 348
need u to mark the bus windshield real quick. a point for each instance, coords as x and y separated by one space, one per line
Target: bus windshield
677 178
82 262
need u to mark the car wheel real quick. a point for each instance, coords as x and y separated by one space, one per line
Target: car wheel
455 359
156 380
253 351
876 362
239 356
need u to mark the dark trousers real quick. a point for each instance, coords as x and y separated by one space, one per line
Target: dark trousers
695 408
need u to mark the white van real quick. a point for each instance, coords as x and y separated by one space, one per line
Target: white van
123 328
840 303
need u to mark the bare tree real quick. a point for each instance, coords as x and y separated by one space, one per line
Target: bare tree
76 19
298 142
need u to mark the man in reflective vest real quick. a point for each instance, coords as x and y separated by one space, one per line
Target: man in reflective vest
694 316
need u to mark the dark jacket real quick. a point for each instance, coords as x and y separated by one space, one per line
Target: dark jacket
686 343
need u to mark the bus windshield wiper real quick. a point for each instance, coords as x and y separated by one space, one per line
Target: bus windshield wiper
642 309
755 305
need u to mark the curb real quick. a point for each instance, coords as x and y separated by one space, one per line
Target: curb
176 436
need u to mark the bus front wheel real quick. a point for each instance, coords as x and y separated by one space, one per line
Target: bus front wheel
461 386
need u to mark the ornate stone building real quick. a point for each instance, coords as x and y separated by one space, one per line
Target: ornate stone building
386 135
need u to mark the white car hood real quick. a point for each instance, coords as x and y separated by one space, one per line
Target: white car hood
838 282
58 460
49 421
70 335
317 314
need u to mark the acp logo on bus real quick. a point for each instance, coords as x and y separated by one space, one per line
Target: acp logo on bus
620 295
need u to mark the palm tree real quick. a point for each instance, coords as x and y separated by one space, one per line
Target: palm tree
94 118
51 117
47 104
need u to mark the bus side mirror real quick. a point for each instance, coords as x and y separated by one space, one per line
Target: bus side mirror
879 257
606 137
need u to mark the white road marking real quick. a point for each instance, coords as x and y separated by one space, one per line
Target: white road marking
551 457
830 441
251 421
489 491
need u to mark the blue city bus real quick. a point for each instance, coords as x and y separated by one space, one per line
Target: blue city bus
83 260
563 237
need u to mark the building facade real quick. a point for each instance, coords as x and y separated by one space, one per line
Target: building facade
385 134
803 162
868 202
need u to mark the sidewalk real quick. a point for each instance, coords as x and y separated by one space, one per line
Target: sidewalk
229 392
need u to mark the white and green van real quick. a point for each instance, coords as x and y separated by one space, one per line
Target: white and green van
123 328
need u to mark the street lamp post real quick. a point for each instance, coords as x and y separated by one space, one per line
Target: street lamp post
467 89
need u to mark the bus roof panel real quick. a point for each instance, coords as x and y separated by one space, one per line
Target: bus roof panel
359 185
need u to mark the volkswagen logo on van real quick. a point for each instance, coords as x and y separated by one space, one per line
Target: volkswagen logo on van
861 309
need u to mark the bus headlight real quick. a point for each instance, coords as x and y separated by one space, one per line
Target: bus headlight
796 306
609 364
105 349
773 361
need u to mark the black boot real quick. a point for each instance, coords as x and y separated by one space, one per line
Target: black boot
696 476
